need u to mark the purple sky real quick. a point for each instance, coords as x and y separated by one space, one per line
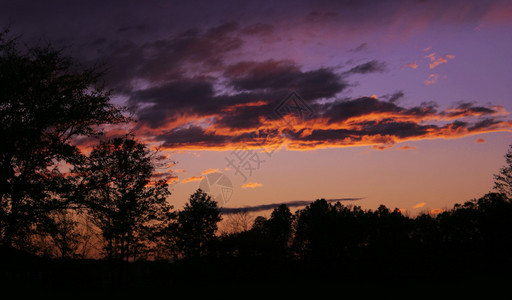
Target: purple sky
409 99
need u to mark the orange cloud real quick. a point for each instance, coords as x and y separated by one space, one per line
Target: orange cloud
412 65
234 107
173 180
252 185
436 61
419 205
406 147
436 211
193 178
365 121
480 141
382 147
432 79
210 170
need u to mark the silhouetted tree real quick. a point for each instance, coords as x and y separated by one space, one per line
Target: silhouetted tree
503 180
279 229
238 221
125 203
482 225
495 223
60 235
259 223
425 232
389 232
197 224
313 230
45 101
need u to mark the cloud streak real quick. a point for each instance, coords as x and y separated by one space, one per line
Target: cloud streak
406 147
437 60
291 204
193 178
210 170
432 79
419 205
252 185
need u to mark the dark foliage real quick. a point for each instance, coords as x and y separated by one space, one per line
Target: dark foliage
197 224
470 242
125 203
45 101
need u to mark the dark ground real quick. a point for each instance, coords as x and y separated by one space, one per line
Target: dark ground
24 271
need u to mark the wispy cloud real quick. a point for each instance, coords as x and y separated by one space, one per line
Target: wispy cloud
290 204
412 65
437 60
373 66
419 205
172 180
436 211
193 178
406 147
480 141
361 47
432 79
210 170
382 147
252 185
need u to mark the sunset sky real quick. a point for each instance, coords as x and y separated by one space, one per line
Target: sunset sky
402 103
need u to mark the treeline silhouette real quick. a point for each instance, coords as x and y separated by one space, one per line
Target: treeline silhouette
323 241
60 206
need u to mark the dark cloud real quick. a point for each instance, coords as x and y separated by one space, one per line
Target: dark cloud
139 27
422 110
284 74
466 108
361 47
48 16
249 117
372 66
180 64
397 129
343 110
259 29
168 58
484 124
193 46
192 135
252 75
291 204
320 17
158 105
394 97
99 41
331 136
196 97
385 131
